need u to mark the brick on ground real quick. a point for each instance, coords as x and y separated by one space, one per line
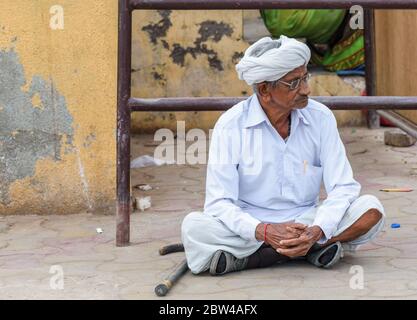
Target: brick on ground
398 138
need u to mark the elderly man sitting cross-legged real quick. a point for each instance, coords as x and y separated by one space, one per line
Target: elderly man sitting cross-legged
268 157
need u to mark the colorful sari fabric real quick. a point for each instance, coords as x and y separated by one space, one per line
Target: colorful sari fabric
330 27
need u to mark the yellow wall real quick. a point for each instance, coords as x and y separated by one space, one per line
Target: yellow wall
58 106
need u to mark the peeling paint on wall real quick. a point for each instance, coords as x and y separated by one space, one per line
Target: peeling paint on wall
213 30
237 56
34 123
159 76
158 30
209 30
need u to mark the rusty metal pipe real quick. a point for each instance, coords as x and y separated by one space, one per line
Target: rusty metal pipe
270 4
223 103
370 78
399 121
123 124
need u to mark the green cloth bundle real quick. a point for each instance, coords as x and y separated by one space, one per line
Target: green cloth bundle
320 27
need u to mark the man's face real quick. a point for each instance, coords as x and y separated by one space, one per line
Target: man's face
283 97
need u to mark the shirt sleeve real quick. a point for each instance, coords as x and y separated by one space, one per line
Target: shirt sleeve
222 184
342 189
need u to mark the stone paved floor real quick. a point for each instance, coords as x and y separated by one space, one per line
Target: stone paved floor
95 269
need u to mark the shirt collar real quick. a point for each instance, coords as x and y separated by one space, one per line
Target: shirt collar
257 115
301 116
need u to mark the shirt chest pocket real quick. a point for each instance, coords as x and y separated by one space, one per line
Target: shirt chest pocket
306 181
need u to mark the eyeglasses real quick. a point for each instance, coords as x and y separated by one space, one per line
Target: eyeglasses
293 85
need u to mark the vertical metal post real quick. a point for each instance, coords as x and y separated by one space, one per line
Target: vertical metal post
369 35
123 124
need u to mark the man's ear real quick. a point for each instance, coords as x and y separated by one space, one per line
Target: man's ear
263 90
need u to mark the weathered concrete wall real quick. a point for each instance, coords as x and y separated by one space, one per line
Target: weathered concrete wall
57 106
182 53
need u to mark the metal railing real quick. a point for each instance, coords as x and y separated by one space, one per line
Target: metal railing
127 104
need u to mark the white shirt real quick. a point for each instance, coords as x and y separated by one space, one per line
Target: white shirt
254 176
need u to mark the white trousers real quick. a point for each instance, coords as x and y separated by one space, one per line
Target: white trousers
202 234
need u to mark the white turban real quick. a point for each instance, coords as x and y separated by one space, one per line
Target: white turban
270 60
